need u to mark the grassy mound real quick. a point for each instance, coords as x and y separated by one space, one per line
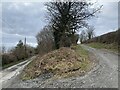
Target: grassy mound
63 62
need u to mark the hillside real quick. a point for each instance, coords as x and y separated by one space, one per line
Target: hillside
111 37
106 41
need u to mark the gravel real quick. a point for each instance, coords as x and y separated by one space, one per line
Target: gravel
103 75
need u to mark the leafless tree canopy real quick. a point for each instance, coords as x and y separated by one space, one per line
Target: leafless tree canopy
45 40
83 36
90 32
68 17
3 49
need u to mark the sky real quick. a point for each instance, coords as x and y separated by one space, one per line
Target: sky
26 19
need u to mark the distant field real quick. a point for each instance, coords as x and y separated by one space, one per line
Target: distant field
111 47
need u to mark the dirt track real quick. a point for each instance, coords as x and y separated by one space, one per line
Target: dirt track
104 75
8 75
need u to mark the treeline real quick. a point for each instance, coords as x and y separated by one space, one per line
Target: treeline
20 52
109 38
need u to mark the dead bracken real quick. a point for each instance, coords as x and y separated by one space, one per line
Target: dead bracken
63 62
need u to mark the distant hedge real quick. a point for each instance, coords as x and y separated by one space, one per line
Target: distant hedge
18 53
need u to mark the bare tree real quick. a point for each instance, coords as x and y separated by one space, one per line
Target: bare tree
83 36
3 49
90 32
67 17
45 40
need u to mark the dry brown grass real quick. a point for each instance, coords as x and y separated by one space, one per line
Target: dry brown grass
64 62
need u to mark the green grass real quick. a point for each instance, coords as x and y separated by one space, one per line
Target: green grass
84 54
80 51
112 47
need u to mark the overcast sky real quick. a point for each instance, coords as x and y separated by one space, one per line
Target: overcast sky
20 20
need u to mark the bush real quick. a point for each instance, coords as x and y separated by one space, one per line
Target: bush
8 58
20 52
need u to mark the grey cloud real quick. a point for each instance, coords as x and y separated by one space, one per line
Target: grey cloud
12 39
107 20
26 20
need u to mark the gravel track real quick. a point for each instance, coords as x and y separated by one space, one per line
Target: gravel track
9 75
103 75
